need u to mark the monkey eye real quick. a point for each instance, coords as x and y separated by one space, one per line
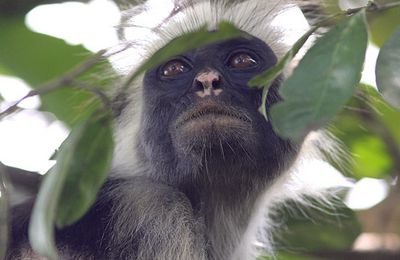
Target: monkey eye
241 60
174 67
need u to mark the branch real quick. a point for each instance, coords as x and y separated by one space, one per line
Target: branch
373 7
67 79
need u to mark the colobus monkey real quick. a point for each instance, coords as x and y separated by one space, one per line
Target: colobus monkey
197 167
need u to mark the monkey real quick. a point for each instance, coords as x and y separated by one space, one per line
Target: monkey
197 168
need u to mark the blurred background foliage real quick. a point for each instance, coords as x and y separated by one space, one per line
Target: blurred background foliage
368 126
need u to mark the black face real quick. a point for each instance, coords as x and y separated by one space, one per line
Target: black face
200 114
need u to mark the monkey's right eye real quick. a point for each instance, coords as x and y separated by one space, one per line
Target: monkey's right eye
174 67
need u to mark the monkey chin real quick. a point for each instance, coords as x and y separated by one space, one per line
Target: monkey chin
212 125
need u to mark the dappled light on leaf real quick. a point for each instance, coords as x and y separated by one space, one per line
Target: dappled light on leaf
71 186
324 80
388 70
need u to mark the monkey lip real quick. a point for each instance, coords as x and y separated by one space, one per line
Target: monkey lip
212 112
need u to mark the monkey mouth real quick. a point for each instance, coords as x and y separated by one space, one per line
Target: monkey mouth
212 113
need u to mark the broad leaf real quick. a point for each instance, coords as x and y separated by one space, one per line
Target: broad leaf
87 171
371 158
70 188
37 59
265 79
388 70
370 130
324 80
311 229
383 24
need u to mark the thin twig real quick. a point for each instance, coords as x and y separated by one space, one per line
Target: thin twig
373 7
178 7
67 79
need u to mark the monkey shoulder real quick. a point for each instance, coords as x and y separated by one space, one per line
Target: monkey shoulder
127 211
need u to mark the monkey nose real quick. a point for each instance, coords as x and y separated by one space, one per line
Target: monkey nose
208 83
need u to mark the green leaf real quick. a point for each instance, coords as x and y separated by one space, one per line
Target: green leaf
383 24
371 158
185 43
324 80
387 70
266 78
37 59
88 170
318 228
370 130
70 188
4 71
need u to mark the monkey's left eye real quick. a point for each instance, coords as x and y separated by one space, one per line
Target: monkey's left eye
174 67
241 60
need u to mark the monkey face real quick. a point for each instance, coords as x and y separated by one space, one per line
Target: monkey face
200 101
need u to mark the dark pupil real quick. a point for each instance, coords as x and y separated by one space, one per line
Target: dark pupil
242 61
174 68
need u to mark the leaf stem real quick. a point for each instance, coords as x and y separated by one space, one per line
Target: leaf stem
371 7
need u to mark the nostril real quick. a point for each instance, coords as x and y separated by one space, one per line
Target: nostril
216 83
198 85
